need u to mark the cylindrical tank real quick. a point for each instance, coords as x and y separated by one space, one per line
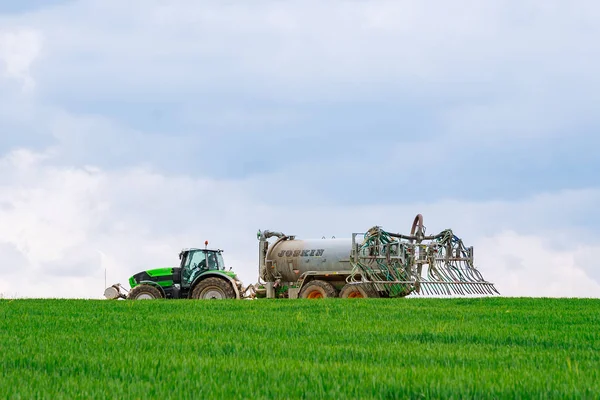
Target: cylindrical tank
288 259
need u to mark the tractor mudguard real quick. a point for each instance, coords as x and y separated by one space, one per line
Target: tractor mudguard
221 275
156 285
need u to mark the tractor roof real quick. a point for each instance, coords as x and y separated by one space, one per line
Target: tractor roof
197 248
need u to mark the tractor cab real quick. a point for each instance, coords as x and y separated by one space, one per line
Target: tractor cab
196 261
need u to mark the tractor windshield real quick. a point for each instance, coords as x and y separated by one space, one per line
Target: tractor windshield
195 262
203 259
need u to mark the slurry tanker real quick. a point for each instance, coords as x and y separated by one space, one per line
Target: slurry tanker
376 263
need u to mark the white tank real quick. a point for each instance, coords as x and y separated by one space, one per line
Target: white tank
288 259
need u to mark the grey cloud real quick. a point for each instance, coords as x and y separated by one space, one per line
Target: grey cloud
11 259
513 263
262 92
77 262
6 206
419 48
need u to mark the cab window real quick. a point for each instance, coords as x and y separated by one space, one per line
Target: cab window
213 262
195 262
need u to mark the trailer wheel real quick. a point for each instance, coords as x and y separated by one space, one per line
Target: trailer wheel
144 292
360 291
213 288
318 289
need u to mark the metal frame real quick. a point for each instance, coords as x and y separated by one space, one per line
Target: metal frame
450 265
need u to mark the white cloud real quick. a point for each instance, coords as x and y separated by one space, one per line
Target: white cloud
62 226
524 264
303 49
18 51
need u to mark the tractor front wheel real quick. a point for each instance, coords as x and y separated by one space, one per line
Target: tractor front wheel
144 292
213 288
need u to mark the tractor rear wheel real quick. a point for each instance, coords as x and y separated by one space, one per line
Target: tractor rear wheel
144 292
318 289
213 288
360 291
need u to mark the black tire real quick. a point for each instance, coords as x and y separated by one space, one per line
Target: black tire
318 289
144 292
213 288
360 291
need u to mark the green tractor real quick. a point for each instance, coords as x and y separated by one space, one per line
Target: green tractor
201 275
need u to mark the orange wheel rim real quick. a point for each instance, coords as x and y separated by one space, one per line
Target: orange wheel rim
315 295
355 295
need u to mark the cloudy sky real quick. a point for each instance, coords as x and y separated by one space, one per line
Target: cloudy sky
129 130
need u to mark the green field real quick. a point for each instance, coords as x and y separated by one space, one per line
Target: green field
360 348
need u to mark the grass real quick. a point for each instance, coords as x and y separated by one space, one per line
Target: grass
368 348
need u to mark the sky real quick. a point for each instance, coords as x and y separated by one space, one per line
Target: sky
130 130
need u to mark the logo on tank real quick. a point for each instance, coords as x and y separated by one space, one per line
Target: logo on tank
301 253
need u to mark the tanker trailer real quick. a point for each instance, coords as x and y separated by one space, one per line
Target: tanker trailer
372 264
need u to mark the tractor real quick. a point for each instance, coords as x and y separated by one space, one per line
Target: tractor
201 275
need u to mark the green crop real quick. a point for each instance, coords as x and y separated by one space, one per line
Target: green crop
334 348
